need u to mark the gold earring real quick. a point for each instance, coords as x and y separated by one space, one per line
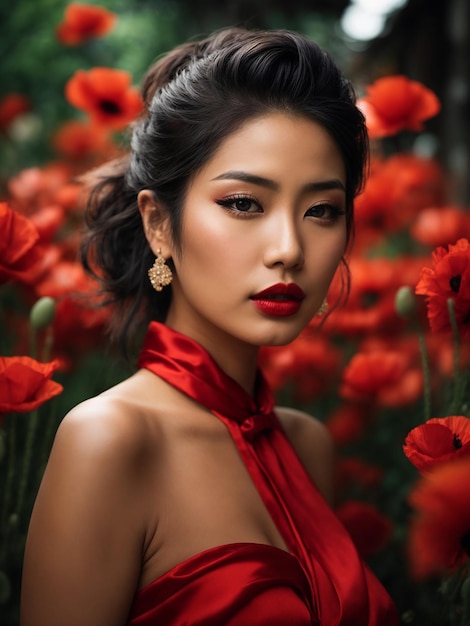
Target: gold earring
160 274
323 309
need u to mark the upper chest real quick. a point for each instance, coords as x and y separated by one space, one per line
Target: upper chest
201 495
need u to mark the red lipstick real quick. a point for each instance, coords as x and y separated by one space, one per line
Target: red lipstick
280 300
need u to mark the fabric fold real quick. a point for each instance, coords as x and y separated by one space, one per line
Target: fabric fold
342 590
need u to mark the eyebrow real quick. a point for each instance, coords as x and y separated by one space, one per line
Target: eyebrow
321 185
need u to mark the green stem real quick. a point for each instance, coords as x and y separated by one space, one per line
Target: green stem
33 343
426 374
465 596
10 442
27 458
459 381
48 435
48 345
3 346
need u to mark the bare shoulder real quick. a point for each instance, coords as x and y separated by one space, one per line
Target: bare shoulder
125 421
108 448
313 444
107 425
123 428
92 514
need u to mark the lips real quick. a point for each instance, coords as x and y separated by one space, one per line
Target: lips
281 300
281 292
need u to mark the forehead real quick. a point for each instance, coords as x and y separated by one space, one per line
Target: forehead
278 144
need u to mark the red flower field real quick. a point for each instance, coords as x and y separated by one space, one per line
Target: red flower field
84 21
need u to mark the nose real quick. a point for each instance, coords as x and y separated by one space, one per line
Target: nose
284 244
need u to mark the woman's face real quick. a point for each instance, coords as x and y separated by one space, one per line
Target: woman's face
268 210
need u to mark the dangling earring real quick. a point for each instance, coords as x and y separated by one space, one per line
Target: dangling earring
160 274
323 309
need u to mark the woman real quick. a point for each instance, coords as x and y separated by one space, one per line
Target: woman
179 496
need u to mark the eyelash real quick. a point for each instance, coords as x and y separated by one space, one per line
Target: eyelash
335 211
227 203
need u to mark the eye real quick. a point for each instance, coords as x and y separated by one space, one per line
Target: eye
325 211
241 204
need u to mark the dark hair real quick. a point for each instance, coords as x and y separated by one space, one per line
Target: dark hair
195 97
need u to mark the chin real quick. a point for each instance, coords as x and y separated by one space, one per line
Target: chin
281 338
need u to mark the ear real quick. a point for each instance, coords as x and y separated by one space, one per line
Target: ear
156 223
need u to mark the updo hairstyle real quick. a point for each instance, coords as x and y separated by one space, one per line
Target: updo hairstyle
195 97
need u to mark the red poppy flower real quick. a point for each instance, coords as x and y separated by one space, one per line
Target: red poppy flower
25 383
77 310
80 140
439 439
442 355
79 325
70 197
308 364
11 106
48 220
448 278
396 103
439 533
370 307
436 226
385 378
33 188
20 258
397 189
351 472
370 530
35 194
84 21
65 278
347 423
106 95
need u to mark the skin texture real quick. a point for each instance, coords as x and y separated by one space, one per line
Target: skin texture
228 256
141 477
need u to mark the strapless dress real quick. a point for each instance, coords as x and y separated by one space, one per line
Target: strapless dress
319 580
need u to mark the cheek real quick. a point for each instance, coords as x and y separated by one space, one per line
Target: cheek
329 255
208 243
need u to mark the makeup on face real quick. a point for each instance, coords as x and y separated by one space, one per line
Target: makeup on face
263 233
279 300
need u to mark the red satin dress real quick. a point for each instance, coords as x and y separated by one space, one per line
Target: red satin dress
321 580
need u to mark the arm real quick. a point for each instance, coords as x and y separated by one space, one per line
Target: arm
314 446
85 541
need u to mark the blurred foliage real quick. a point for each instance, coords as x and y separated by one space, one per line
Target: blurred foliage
36 65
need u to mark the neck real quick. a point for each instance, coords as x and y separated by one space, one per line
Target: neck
237 359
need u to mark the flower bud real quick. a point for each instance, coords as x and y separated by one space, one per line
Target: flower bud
42 313
13 520
405 301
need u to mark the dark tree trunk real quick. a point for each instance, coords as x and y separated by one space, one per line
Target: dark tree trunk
456 100
429 41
